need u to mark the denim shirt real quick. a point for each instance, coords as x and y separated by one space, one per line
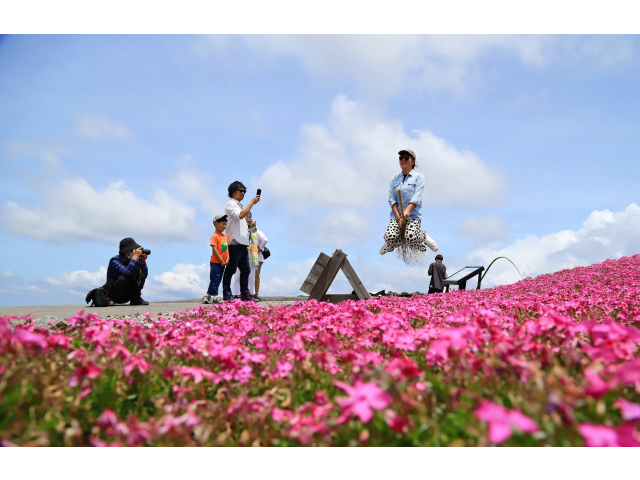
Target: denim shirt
119 265
411 191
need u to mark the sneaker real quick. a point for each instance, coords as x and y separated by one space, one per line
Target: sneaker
383 248
216 299
257 298
249 299
206 299
431 243
140 301
110 303
227 298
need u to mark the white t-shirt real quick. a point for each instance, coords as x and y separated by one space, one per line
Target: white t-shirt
237 228
262 242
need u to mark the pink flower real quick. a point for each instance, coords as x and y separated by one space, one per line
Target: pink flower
25 337
421 387
283 368
134 362
362 398
243 374
400 368
598 435
501 420
629 372
397 423
196 373
119 351
107 418
320 398
404 341
278 414
89 370
628 410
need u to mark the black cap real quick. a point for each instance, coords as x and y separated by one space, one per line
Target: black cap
128 244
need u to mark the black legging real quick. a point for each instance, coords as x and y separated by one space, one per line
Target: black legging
125 289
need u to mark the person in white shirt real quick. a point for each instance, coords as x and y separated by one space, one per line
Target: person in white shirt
262 242
238 240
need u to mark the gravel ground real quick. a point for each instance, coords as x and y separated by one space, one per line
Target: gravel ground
52 316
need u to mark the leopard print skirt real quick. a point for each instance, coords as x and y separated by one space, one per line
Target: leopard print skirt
416 238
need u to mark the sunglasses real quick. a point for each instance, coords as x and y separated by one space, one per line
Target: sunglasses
242 190
405 157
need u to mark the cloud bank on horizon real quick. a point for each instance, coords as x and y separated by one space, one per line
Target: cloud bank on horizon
316 122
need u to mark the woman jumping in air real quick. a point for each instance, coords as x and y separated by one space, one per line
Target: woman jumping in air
411 185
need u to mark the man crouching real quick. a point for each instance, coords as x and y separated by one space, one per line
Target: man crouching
126 274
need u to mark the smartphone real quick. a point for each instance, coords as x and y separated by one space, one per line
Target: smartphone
259 192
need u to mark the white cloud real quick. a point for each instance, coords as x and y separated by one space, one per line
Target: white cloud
604 235
46 151
37 290
197 185
72 210
387 64
183 281
488 229
339 182
79 280
100 127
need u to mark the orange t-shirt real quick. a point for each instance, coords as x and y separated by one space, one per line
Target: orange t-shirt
219 241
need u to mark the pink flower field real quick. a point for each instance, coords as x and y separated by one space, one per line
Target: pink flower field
546 361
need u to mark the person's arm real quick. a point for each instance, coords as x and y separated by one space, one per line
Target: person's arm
393 199
216 254
128 270
430 272
247 209
407 211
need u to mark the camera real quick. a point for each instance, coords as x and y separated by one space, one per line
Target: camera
146 251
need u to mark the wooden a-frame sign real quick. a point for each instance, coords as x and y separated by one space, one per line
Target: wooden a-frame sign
323 273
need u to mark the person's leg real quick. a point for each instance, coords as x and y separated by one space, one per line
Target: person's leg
215 276
414 236
235 283
258 278
434 290
418 238
245 271
391 237
251 284
212 290
234 256
122 289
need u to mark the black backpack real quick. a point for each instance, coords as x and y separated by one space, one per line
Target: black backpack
98 297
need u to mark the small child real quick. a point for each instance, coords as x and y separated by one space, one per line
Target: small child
219 259
438 273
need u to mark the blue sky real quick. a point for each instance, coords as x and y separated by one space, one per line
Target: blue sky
528 145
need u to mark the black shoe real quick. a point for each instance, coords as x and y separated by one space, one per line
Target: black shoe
227 298
110 303
140 301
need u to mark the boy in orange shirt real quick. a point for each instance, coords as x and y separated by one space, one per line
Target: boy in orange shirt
219 259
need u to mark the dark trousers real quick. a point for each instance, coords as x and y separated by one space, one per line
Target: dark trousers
238 259
434 290
215 276
125 289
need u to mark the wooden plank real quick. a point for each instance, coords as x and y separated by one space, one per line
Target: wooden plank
354 280
328 275
315 273
337 298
